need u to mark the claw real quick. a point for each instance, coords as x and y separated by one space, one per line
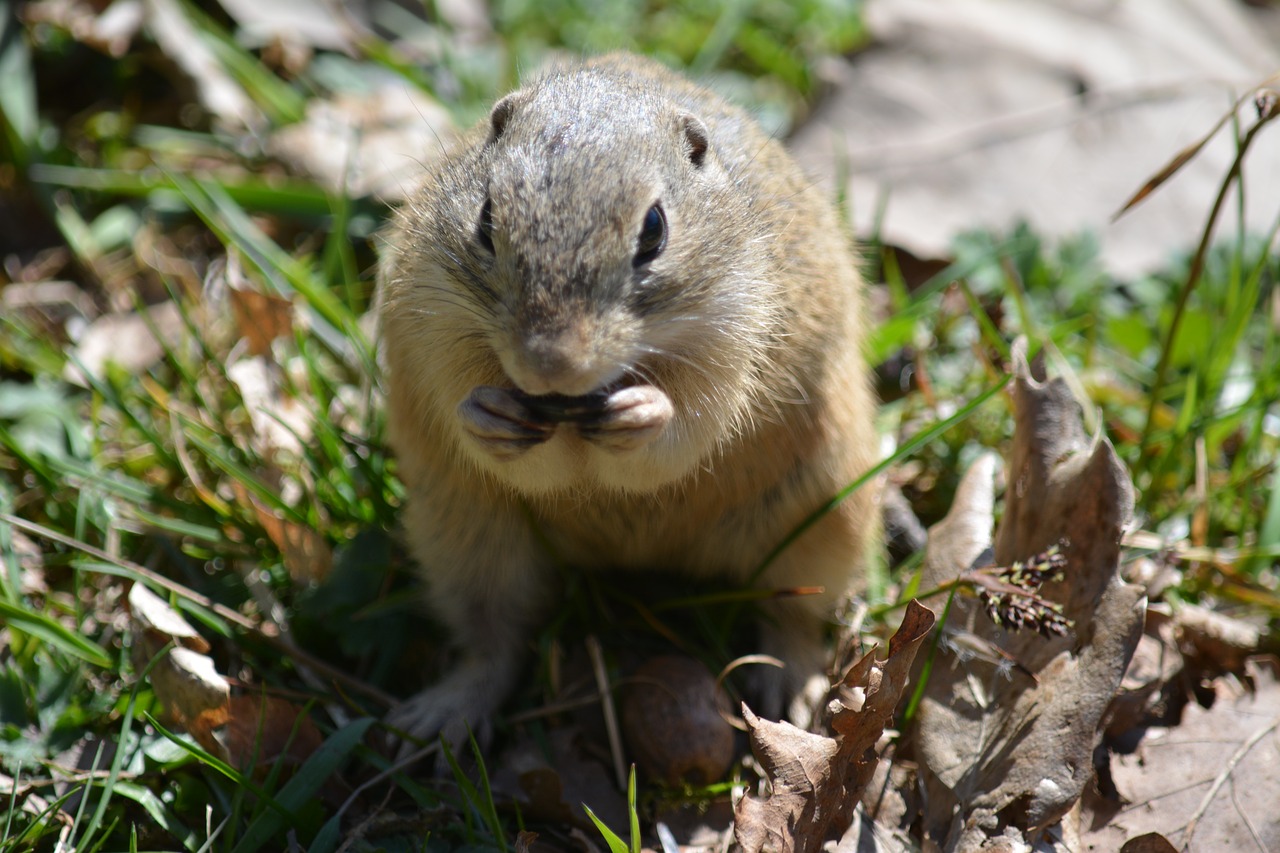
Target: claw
501 422
632 417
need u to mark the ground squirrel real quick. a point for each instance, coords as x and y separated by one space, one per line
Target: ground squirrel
620 324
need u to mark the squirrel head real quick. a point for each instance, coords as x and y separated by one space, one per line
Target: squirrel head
593 199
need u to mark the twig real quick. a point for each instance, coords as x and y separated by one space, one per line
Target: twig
610 713
1224 775
262 632
744 660
395 767
550 710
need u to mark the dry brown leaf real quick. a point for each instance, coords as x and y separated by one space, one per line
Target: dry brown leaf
128 340
110 30
248 731
1259 98
1152 842
368 143
263 730
1008 749
281 423
218 92
48 304
328 26
31 803
307 556
193 691
1212 640
550 780
1210 783
1154 665
31 577
816 780
185 679
152 614
261 318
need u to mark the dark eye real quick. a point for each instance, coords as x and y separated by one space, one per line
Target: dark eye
484 232
653 237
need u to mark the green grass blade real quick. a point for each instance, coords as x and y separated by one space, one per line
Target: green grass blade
159 813
17 88
241 781
179 527
117 761
480 799
47 629
288 197
631 810
334 323
490 808
465 785
616 844
883 341
1269 531
276 98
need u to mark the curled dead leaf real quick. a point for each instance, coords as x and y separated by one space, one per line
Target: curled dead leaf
193 691
1010 747
816 780
185 679
152 614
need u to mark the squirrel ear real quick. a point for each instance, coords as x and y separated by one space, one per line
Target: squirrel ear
696 137
501 113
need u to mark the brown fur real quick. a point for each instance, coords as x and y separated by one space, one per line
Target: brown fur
739 401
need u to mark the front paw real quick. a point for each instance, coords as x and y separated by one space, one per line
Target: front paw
456 709
631 418
501 423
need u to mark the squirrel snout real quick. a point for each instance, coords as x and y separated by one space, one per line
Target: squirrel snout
559 364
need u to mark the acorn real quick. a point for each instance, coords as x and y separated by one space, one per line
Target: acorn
673 720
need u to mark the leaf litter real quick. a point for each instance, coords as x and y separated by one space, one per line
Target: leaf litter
1006 738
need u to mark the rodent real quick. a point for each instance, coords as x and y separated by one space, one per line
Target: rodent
618 314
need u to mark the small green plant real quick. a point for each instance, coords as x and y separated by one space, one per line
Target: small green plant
615 842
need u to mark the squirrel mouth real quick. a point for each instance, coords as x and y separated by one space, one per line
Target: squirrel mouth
565 408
